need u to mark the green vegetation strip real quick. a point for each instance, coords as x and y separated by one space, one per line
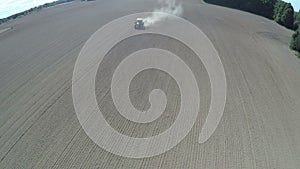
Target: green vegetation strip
278 10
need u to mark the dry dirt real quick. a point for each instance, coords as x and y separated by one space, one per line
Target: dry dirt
39 127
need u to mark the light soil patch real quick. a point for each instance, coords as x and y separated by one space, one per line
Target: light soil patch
4 30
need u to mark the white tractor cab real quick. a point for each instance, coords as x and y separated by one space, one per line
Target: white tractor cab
139 23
